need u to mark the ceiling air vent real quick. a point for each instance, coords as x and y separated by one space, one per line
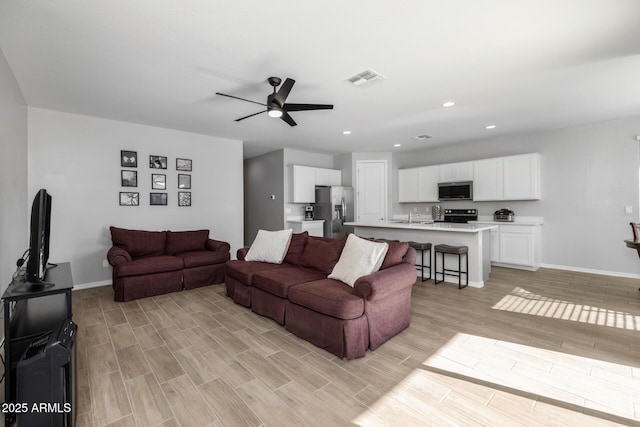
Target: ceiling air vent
365 78
422 137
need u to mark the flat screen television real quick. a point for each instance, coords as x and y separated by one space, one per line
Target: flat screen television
39 239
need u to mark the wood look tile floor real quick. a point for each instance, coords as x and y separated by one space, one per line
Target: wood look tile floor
530 348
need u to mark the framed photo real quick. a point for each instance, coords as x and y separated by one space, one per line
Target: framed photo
128 178
159 199
184 198
157 162
184 181
129 199
158 181
128 159
184 164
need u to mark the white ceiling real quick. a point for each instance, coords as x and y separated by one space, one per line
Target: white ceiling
522 65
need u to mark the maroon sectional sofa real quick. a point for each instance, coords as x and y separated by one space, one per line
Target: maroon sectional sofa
343 320
148 263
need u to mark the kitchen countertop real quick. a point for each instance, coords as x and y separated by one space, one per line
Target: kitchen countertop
301 221
523 220
439 226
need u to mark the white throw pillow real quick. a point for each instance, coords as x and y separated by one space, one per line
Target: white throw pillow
270 246
358 258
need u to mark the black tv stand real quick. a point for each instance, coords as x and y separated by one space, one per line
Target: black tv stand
30 311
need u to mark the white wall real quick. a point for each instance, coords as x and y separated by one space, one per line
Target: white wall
589 174
14 205
77 159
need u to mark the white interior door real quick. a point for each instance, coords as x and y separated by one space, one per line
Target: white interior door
371 191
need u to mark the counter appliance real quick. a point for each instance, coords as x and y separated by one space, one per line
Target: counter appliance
504 215
334 205
308 213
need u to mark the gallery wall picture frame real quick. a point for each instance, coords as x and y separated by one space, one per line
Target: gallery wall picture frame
128 178
184 198
184 165
158 199
158 162
128 198
128 159
158 181
184 181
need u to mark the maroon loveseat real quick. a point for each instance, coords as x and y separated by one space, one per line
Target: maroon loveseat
343 320
148 263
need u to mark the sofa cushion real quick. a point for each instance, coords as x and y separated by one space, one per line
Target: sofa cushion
149 265
329 297
322 253
359 258
184 241
296 247
139 243
243 271
198 258
278 282
270 246
395 254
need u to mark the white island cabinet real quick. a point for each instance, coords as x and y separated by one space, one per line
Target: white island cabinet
475 236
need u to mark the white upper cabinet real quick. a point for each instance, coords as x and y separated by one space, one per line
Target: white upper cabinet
454 172
507 178
304 184
305 179
488 179
522 177
428 177
418 184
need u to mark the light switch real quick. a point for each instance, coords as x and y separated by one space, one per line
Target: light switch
628 209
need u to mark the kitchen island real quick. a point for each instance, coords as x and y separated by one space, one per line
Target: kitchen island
476 237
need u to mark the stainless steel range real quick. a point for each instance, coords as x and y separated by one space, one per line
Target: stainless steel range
459 215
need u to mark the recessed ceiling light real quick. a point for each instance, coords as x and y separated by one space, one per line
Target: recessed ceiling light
448 104
397 145
490 127
346 132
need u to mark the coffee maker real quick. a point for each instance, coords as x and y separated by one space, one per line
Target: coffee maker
308 213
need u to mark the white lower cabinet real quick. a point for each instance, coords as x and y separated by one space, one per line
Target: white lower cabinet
516 246
314 228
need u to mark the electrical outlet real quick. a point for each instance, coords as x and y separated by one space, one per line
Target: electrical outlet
105 263
628 209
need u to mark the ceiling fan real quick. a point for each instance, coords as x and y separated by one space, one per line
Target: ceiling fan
276 105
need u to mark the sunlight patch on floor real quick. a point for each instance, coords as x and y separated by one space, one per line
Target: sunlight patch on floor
604 386
522 301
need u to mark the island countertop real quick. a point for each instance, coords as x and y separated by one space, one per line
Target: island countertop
431 226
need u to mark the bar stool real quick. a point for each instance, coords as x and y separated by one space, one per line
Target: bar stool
452 250
422 247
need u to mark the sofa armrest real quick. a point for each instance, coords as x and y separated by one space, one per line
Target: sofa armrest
378 285
242 252
218 245
118 255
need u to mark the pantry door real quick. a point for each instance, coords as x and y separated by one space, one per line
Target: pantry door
371 191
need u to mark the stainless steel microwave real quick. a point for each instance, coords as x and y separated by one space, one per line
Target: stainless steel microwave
455 190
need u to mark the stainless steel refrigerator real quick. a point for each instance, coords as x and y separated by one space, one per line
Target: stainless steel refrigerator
335 206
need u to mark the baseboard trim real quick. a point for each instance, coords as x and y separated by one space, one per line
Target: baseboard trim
91 285
592 271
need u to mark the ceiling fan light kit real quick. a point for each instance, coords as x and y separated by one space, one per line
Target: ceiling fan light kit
276 105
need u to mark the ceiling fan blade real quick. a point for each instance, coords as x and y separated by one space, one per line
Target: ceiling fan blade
241 99
306 107
251 115
287 118
282 94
